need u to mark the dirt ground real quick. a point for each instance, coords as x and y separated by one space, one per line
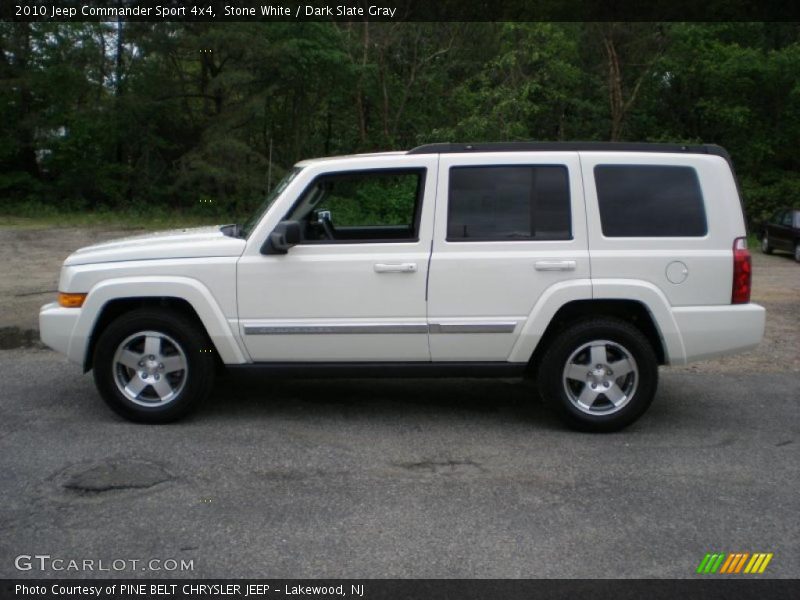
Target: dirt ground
30 260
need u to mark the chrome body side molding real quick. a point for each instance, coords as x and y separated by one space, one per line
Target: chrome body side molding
380 328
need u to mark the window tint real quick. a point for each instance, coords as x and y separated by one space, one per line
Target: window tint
508 203
363 205
649 201
787 219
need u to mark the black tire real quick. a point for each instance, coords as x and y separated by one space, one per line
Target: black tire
176 334
766 248
573 346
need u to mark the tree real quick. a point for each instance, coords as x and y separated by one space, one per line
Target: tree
630 52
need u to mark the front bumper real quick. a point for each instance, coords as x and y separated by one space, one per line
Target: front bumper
56 327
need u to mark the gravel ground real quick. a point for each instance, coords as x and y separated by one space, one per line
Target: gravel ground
30 260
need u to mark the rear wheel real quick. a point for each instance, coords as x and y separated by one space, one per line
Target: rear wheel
599 374
765 246
153 366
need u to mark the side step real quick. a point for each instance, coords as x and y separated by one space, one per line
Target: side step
366 370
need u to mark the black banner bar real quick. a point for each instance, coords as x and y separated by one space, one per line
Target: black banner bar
396 10
738 588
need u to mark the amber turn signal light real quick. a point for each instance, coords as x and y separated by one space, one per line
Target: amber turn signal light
71 300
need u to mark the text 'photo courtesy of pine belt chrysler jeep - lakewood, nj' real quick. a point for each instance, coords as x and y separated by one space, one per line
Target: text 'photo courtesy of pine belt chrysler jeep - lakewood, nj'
584 266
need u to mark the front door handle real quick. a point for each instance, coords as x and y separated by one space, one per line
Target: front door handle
396 268
556 265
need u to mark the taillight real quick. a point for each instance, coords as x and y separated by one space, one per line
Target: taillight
742 272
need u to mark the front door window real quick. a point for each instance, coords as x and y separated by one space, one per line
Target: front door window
362 206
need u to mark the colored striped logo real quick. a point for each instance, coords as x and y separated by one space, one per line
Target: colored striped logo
734 562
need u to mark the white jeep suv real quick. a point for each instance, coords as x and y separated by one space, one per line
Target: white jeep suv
585 265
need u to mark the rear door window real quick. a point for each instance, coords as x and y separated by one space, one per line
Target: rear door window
650 201
505 203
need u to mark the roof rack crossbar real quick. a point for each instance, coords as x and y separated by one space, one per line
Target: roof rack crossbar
450 148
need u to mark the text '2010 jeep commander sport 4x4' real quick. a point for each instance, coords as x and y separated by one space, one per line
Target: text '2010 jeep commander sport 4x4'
587 265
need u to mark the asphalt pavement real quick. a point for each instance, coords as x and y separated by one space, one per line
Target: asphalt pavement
390 478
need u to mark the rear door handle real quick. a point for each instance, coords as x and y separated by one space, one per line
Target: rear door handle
556 265
396 268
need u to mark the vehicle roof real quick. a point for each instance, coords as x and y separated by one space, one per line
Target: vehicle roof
450 148
463 148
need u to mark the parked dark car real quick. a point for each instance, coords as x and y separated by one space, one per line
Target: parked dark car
782 232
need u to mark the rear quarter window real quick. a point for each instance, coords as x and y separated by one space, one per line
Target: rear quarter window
650 201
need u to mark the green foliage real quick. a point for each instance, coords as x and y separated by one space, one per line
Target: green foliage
529 89
36 215
202 119
372 201
768 192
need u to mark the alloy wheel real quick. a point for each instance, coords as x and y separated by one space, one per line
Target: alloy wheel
150 368
600 377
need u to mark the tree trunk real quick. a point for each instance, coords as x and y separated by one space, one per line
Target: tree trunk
361 106
118 89
26 154
615 102
621 97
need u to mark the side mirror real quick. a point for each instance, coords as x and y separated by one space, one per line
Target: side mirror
285 235
324 215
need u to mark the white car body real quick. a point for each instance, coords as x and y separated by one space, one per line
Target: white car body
429 300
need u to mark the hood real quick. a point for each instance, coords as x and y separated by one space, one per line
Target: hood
196 242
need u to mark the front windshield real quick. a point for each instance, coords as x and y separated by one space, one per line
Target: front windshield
271 197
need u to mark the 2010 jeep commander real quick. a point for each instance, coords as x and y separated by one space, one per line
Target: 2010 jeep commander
586 265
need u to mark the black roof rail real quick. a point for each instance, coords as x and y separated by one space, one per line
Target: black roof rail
450 148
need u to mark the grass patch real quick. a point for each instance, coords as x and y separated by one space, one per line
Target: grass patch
29 218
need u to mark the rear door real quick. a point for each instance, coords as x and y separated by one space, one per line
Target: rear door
508 226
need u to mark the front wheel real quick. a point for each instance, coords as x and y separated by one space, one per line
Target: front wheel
153 366
599 374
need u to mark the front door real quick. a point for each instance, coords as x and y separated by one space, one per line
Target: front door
354 288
